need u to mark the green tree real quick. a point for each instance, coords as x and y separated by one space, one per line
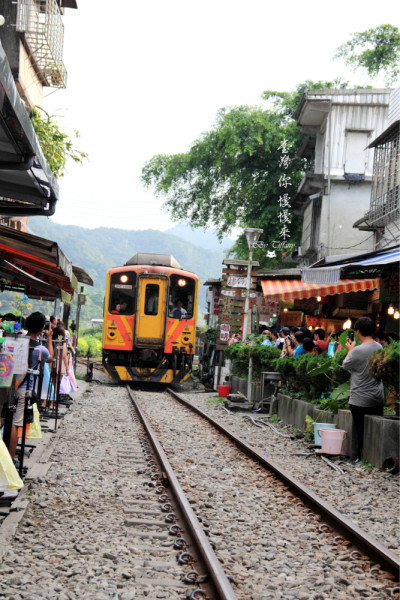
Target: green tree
232 175
83 347
375 50
57 146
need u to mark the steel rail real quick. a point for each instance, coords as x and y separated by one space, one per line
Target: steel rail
369 545
218 577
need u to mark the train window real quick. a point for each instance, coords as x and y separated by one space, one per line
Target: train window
122 293
151 299
181 297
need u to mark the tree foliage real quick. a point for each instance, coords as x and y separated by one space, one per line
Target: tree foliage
57 146
375 50
231 175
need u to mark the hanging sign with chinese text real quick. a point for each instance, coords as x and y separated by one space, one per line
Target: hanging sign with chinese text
236 281
224 333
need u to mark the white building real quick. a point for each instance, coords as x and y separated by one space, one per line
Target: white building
339 125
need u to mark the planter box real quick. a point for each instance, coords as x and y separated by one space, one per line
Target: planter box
345 421
240 385
294 411
381 435
381 441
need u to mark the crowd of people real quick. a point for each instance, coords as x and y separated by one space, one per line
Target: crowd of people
51 357
366 392
295 341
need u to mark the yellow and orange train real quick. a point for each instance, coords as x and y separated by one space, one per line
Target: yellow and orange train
149 329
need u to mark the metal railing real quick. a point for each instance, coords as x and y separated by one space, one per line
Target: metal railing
385 197
41 22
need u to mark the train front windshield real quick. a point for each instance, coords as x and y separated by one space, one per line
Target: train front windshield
181 297
122 293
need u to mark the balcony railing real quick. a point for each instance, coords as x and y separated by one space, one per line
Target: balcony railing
385 197
41 22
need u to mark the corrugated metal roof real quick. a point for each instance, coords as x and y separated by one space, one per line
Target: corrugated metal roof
325 272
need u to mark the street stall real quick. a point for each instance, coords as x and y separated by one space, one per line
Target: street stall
36 268
382 265
321 305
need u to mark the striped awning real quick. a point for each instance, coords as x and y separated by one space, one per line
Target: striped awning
289 289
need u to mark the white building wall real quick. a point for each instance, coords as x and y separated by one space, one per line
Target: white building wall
342 121
349 121
347 202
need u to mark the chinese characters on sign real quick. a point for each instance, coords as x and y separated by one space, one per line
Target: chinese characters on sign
226 309
235 281
284 215
284 181
224 335
215 303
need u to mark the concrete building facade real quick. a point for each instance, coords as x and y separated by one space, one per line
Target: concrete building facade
339 125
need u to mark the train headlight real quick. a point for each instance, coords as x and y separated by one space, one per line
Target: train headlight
123 278
182 282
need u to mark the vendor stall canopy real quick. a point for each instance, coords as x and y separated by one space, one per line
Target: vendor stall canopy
27 185
290 289
38 264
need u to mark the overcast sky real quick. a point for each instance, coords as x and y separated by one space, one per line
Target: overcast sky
148 76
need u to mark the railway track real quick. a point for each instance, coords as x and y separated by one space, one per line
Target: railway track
268 529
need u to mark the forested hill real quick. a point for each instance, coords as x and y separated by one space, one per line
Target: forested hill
97 250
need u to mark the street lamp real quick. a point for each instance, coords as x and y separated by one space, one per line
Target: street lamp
252 236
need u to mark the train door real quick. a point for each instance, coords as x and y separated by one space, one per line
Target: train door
151 306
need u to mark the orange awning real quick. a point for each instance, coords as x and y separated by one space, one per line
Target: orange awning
289 289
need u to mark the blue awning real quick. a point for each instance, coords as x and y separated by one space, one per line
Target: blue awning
381 259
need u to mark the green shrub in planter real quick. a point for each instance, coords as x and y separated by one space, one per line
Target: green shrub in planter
264 358
239 353
336 372
287 368
384 365
313 387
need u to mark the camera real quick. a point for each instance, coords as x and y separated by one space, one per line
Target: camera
350 336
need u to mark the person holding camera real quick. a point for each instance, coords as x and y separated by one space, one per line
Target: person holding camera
366 392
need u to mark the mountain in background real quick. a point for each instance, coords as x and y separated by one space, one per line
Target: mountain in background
97 250
205 238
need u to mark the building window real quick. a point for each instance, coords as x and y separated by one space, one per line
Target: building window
356 155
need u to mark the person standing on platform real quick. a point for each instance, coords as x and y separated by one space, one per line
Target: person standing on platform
35 324
366 392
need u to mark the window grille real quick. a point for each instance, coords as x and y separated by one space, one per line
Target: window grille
386 180
42 24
